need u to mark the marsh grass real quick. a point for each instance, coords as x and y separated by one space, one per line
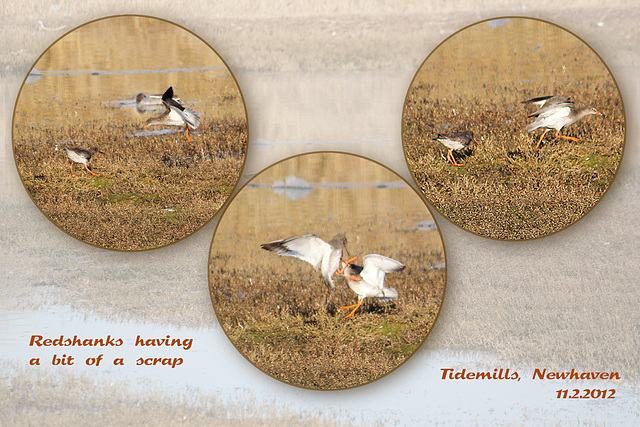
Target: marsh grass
292 329
507 189
476 80
151 190
277 311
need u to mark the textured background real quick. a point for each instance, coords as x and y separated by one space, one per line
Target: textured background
324 76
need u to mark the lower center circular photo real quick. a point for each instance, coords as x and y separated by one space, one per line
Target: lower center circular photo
327 271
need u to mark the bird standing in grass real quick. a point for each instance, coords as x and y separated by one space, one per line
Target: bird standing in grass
80 155
557 112
368 281
455 141
175 114
323 256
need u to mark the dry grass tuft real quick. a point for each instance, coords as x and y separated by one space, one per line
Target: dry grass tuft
291 328
507 189
152 190
476 81
277 311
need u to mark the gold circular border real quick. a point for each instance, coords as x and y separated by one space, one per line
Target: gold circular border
402 127
444 252
244 105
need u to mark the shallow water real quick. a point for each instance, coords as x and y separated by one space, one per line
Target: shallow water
296 188
503 58
87 67
405 396
326 193
213 366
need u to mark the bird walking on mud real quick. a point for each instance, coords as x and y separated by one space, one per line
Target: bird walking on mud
323 256
175 114
455 141
82 156
556 112
368 281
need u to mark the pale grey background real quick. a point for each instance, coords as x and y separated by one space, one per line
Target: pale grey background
324 76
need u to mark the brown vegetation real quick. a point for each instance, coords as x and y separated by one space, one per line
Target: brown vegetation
290 328
507 189
277 311
152 190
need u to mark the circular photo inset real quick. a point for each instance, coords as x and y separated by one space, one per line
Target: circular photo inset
129 133
327 271
513 128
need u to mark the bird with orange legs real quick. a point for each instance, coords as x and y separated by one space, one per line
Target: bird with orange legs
455 141
175 114
368 281
82 156
557 112
323 256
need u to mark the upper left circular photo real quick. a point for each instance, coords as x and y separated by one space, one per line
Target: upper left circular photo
130 133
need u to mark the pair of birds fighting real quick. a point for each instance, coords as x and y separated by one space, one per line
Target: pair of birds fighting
172 113
555 112
366 281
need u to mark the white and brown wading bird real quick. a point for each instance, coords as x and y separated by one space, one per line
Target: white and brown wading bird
368 281
455 141
80 155
557 112
175 114
323 256
151 103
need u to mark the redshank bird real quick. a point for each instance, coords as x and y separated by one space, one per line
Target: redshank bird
455 141
323 256
175 114
557 112
151 103
368 281
80 155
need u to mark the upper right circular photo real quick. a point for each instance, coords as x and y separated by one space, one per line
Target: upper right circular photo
513 128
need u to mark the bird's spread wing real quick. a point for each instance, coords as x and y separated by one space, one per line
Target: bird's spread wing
309 248
547 100
176 109
561 108
169 118
376 266
168 94
550 116
189 116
